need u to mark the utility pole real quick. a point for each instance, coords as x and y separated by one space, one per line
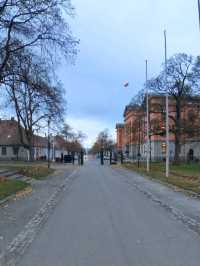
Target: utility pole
147 117
167 109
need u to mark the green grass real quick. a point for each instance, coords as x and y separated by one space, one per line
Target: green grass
33 170
9 187
36 172
183 176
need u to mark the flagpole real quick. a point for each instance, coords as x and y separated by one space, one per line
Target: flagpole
147 117
167 109
199 11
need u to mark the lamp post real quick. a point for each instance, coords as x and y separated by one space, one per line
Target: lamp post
147 115
167 109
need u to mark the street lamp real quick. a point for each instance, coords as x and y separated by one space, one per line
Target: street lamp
167 109
126 84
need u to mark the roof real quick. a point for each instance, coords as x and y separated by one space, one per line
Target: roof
9 133
130 108
10 136
39 141
119 125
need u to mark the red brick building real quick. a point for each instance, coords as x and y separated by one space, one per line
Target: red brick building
120 136
134 129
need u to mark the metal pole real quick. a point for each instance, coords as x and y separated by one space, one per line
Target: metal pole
53 149
199 12
167 109
48 144
147 114
139 140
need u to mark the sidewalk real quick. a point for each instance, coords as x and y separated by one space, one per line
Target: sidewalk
16 213
183 207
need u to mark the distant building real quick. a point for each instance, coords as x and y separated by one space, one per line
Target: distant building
131 137
120 137
12 147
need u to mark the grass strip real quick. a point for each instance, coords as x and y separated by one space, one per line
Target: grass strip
183 176
9 187
36 171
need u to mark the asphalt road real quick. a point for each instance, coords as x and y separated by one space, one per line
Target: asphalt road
103 221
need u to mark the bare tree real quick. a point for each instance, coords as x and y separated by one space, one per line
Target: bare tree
40 25
180 87
34 98
103 142
67 132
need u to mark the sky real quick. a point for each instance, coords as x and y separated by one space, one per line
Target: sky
116 37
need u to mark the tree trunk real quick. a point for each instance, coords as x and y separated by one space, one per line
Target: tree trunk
31 153
30 147
177 148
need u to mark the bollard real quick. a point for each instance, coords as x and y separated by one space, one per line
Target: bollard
102 157
2 251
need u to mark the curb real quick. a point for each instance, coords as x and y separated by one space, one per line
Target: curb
11 197
5 200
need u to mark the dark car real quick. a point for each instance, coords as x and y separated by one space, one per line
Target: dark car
68 159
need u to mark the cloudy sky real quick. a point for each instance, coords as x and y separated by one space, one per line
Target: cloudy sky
116 37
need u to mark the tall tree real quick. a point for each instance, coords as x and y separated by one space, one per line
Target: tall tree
33 96
180 87
104 141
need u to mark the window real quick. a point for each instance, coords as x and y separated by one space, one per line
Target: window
15 150
4 151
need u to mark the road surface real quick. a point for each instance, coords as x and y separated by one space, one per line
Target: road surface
103 221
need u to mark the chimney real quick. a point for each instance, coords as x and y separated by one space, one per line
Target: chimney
12 118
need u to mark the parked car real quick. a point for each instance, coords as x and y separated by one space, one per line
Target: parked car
68 158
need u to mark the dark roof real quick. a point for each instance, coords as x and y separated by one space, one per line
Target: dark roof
129 108
119 125
9 135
